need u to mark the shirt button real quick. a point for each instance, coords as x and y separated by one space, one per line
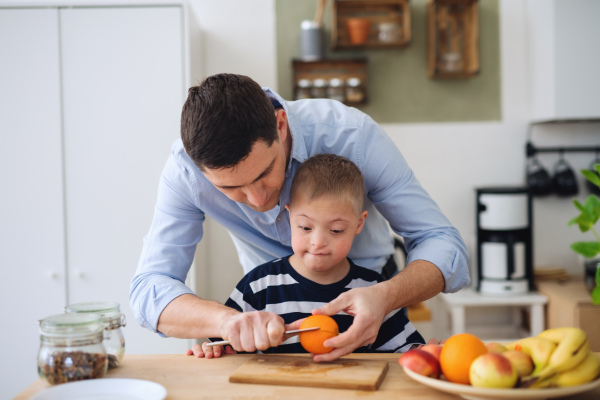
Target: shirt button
278 219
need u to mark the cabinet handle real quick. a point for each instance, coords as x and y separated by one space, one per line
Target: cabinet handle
52 275
79 274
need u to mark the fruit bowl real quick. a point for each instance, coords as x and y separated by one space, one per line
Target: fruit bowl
473 393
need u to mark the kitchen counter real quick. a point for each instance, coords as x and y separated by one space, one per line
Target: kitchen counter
188 377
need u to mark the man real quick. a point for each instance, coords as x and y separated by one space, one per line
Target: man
240 148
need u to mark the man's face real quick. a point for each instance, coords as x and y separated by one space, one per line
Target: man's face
257 180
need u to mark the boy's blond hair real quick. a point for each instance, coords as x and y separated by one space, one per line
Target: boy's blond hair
329 175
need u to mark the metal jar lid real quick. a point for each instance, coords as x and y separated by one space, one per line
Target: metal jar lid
353 82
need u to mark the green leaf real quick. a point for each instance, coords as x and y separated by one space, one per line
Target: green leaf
597 276
597 168
586 249
573 221
596 295
584 222
591 176
578 204
592 208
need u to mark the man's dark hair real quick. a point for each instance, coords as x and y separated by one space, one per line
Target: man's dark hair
223 117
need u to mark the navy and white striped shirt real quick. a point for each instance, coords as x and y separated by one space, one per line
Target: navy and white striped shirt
276 287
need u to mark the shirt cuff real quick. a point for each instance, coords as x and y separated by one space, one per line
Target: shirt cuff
452 262
159 291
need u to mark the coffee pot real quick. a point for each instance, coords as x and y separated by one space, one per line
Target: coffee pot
504 240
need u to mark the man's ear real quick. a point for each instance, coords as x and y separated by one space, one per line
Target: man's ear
361 222
282 124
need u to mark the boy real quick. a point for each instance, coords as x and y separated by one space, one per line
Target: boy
326 212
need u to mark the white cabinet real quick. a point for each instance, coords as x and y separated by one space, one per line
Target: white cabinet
564 58
89 106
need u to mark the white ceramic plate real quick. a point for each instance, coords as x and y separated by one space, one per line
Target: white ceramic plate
472 393
105 389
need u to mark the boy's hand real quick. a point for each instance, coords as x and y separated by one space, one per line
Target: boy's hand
209 351
251 331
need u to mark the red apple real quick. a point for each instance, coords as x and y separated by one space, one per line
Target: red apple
421 362
520 361
494 347
492 370
434 349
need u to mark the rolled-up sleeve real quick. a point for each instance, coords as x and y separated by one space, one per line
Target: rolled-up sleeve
168 249
411 212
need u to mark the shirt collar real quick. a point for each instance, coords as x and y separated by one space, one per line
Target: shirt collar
299 152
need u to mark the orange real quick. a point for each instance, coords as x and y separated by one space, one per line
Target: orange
457 354
312 341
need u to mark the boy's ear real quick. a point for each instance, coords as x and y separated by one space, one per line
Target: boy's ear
361 221
287 207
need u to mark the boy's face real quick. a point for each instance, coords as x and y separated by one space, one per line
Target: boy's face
322 232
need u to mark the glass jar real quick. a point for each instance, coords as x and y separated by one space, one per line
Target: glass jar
336 90
354 91
71 348
319 89
389 32
113 320
303 89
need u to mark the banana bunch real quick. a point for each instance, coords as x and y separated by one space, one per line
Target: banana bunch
561 356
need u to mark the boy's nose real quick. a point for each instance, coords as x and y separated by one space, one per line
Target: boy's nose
318 239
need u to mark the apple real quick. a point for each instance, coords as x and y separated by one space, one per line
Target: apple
492 370
520 361
434 349
421 362
494 347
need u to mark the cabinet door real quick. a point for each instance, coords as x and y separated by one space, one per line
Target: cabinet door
123 89
32 242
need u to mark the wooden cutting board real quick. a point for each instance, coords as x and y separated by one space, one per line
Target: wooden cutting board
344 373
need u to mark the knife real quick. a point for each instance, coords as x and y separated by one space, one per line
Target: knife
294 332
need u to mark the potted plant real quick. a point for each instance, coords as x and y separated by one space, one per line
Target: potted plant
586 220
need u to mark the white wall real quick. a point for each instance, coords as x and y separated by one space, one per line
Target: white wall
450 160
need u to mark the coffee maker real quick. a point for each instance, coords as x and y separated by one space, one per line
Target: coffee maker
504 240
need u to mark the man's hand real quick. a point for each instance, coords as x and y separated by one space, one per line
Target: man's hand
368 306
251 331
419 281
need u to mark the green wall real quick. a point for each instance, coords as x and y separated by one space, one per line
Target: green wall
400 91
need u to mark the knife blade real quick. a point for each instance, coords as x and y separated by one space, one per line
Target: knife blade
292 332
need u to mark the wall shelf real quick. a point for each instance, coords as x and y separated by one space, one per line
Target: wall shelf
389 22
347 71
531 150
452 38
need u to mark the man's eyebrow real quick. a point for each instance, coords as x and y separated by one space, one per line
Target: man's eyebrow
262 175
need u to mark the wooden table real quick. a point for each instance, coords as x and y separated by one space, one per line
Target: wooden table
188 377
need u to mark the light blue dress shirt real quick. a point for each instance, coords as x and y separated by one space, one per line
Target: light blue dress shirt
394 195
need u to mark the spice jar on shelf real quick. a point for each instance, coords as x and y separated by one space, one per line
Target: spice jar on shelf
319 89
354 91
303 88
113 320
336 90
71 348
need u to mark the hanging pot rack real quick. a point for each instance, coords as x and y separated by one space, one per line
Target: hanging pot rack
531 150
